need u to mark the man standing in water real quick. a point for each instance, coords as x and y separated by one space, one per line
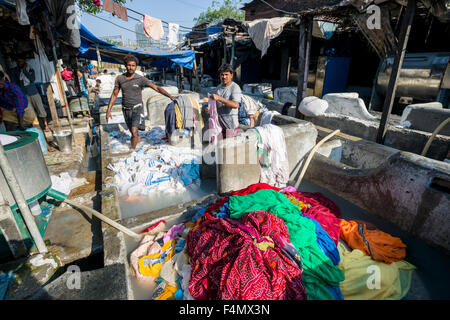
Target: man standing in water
131 85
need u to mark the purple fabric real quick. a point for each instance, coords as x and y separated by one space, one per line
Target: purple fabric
172 233
214 127
13 98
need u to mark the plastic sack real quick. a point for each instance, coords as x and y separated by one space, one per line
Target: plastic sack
313 106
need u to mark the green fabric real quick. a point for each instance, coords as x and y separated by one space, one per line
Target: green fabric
319 272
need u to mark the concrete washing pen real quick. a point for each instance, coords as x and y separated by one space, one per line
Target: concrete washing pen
311 154
63 197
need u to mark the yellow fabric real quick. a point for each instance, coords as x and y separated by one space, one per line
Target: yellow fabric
264 244
395 278
153 270
197 111
178 115
167 294
28 117
296 202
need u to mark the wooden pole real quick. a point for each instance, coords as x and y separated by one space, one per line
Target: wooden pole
309 26
99 60
182 78
398 61
52 105
301 66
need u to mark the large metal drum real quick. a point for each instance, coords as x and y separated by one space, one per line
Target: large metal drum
78 104
27 162
420 77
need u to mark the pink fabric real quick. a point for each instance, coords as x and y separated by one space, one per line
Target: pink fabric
227 264
214 127
147 247
67 75
289 189
153 28
172 233
323 210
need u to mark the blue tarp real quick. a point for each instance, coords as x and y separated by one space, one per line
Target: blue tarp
114 54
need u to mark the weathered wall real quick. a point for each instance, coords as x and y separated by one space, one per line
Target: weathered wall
244 169
425 119
399 138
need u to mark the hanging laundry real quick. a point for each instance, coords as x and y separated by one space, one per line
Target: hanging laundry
376 243
214 127
266 117
233 260
186 109
172 37
116 9
395 280
275 169
319 271
263 30
21 11
153 28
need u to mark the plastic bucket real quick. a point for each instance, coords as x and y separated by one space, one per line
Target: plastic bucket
64 140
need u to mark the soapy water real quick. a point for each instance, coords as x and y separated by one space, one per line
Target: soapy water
131 206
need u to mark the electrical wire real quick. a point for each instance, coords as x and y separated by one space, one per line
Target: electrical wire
279 10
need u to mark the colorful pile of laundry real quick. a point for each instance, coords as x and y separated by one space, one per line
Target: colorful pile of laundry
263 243
163 169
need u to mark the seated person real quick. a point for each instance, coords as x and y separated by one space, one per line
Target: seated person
16 114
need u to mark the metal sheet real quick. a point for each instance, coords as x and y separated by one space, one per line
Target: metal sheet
30 169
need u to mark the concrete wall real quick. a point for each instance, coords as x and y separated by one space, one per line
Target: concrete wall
427 119
401 189
244 168
347 104
399 138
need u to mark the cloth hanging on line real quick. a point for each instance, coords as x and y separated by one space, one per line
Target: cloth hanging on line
153 28
172 37
21 11
263 30
116 9
47 71
272 140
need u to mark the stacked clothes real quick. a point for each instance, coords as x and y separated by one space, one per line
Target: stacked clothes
263 243
120 140
162 169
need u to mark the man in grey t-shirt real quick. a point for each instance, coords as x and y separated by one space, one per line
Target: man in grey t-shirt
131 85
228 97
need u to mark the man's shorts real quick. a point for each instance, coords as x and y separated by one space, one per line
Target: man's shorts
36 102
134 117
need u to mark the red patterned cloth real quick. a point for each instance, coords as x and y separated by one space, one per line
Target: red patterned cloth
323 210
249 190
231 260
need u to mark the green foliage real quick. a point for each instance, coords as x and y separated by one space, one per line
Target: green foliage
90 7
219 11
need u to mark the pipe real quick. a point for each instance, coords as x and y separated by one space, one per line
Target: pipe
62 197
435 133
21 202
311 154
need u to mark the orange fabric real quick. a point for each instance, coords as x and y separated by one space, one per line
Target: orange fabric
382 246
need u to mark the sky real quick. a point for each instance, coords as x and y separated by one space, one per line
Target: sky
181 12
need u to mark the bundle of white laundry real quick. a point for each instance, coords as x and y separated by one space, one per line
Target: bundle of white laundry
164 169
